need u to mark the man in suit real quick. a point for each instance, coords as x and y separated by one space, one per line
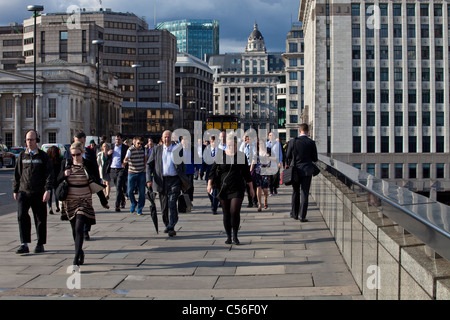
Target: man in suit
166 174
303 150
119 170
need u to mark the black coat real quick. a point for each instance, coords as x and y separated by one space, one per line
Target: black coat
303 150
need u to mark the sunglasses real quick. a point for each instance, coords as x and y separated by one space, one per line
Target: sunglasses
76 154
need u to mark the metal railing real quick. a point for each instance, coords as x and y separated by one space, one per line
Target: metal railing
424 218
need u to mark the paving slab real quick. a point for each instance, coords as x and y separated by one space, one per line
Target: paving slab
279 258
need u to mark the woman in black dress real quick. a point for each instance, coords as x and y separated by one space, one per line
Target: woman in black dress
228 175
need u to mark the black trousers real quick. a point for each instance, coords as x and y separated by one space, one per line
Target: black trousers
300 196
119 177
39 208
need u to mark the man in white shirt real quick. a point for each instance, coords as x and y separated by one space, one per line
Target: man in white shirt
119 170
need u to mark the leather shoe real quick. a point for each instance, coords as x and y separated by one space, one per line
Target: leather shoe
23 249
39 248
172 233
304 220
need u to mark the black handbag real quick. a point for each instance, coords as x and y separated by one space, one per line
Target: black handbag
309 169
288 175
62 190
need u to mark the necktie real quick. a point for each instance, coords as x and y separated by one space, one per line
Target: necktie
213 153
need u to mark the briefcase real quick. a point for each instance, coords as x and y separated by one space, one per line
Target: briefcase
288 175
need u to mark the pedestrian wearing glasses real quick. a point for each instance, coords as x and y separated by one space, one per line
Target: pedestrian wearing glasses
32 186
136 159
78 204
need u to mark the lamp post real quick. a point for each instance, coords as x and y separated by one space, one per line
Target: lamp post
180 95
35 9
98 43
160 82
136 67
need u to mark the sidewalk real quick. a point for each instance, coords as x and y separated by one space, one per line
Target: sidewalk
279 258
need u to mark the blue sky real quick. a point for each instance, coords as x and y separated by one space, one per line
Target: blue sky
236 17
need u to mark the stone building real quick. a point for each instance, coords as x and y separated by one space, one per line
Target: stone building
66 102
245 84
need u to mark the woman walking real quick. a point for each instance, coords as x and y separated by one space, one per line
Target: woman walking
229 180
55 157
78 204
104 164
260 164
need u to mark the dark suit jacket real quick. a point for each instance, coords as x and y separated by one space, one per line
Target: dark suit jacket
302 150
155 169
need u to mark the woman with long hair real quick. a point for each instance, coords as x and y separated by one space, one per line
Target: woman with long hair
104 163
78 204
229 179
55 157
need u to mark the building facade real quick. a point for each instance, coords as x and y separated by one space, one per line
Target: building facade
194 84
377 76
127 42
245 84
66 102
194 36
290 93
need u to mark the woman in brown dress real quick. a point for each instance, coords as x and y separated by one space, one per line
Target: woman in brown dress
78 204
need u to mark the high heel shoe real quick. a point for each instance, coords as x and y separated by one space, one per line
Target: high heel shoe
259 209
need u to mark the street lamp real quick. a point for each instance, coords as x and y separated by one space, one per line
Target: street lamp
136 66
181 108
35 9
160 82
98 43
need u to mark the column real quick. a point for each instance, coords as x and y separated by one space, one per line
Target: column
18 141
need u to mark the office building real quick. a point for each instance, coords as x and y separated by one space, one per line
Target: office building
194 36
245 84
377 87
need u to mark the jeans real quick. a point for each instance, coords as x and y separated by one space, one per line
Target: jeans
137 180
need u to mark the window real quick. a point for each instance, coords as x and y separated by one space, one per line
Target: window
398 144
398 118
385 171
384 117
426 145
356 118
52 137
52 109
426 118
370 144
424 30
439 74
370 53
397 10
425 96
440 119
356 52
397 30
398 96
425 74
438 31
8 108
439 52
398 171
398 74
426 170
411 52
29 108
384 74
293 47
397 52
424 10
384 31
412 170
384 144
293 76
370 118
384 52
412 144
410 10
438 10
356 74
370 75
412 96
425 53
439 96
355 9
355 31
440 144
371 168
411 74
440 170
356 96
370 98
356 144
411 30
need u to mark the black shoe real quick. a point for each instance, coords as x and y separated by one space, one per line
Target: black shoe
51 211
39 248
86 236
228 241
214 212
23 249
304 220
64 217
117 209
58 210
236 241
122 204
250 205
172 233
81 259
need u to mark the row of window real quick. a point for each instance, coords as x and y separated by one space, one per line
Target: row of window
398 144
398 74
397 9
9 107
400 173
398 96
411 52
397 31
398 118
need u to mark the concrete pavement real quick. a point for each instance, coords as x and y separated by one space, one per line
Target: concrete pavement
279 258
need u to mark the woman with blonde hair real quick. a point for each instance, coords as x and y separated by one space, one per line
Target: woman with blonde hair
104 164
78 204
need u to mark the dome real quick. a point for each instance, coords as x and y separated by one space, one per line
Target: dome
255 35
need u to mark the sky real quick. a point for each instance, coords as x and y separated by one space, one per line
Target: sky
236 17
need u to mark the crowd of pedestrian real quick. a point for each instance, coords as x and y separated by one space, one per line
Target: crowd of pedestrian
230 168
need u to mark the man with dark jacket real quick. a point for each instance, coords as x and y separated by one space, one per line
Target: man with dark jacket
119 170
32 184
304 151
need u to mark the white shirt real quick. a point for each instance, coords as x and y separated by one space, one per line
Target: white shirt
167 161
116 161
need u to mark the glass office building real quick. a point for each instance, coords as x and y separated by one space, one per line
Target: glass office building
196 37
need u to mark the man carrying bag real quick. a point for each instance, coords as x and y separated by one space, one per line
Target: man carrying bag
301 153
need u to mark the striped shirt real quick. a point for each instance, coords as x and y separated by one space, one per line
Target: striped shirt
136 162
